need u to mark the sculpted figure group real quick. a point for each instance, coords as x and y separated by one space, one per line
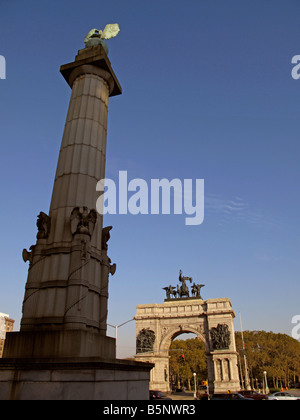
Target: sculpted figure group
183 290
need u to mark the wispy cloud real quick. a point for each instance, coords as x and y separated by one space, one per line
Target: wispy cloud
234 210
219 204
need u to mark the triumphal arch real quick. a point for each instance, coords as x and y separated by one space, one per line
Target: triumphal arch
184 311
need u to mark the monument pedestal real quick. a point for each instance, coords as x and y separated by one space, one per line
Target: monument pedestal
73 379
69 365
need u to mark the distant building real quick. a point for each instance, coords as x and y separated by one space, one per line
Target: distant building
6 325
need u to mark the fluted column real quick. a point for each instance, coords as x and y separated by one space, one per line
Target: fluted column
82 155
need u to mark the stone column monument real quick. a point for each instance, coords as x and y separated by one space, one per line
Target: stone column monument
65 302
64 312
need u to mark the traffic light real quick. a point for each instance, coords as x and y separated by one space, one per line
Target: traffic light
181 358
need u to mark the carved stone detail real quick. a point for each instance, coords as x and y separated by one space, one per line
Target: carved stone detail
28 256
105 237
145 340
112 267
43 224
220 337
83 221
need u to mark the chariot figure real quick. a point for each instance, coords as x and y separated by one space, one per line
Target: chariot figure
183 290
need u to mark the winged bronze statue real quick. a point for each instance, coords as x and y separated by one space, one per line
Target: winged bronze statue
96 36
170 290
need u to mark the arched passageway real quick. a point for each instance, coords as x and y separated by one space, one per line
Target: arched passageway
187 363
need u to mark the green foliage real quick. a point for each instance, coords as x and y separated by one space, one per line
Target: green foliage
277 354
181 371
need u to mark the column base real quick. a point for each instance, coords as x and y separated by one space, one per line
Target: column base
57 344
224 387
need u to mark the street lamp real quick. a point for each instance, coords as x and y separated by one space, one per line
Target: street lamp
195 393
118 326
266 382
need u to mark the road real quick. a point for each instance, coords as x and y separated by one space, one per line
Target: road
295 392
182 396
190 395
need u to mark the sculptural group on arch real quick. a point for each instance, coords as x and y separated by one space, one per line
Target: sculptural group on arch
183 291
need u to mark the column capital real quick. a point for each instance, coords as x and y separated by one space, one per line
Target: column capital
93 56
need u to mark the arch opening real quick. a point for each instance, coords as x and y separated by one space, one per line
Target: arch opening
174 333
187 363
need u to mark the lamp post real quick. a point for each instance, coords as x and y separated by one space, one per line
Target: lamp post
118 326
247 383
195 393
266 382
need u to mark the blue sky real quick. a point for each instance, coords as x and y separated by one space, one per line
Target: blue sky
207 94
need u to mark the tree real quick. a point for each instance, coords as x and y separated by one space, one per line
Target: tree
277 354
194 360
